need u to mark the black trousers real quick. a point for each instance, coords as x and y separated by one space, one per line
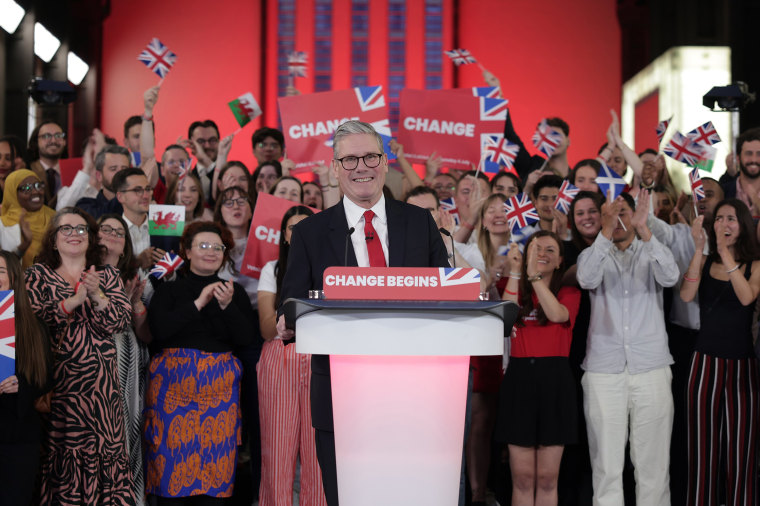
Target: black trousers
325 441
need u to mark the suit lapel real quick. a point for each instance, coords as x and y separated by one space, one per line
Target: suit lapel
396 233
338 236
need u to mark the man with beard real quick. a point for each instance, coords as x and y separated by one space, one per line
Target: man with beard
746 187
111 160
47 145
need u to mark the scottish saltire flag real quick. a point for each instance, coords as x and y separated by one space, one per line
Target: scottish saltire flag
166 266
486 91
705 135
7 335
460 57
158 58
696 185
451 276
297 63
567 193
245 108
683 149
520 212
609 180
662 127
498 152
450 206
545 139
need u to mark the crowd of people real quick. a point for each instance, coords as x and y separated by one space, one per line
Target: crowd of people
634 345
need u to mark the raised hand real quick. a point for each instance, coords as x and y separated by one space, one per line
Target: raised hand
698 233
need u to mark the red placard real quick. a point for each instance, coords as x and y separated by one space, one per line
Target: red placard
401 283
452 123
308 121
69 168
264 235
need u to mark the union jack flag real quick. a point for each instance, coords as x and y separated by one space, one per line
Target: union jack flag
567 193
683 149
158 58
297 63
705 135
460 57
370 97
7 335
696 185
520 212
166 266
486 91
493 109
498 151
609 180
450 206
662 127
545 139
451 276
184 168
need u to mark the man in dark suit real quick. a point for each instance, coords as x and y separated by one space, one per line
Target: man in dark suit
396 234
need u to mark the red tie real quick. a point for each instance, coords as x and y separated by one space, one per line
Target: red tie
374 248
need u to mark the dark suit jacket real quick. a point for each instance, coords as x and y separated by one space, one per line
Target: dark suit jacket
319 242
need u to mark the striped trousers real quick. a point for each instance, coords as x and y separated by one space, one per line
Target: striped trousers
722 411
284 379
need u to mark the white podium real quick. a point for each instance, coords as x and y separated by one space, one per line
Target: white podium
399 386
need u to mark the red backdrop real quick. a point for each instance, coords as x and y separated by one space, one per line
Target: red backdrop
553 59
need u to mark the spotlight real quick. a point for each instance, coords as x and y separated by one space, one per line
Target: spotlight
45 43
46 92
76 69
11 15
728 98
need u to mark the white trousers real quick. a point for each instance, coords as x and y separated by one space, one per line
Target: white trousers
609 402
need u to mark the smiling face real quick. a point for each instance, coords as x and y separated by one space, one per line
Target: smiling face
188 195
134 197
289 190
50 148
585 178
495 217
727 224
749 159
172 162
444 185
30 198
205 262
363 185
548 258
545 200
115 240
74 245
506 186
587 218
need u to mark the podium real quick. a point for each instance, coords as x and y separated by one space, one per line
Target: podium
399 372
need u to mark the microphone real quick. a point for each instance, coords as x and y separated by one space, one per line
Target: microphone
453 251
348 239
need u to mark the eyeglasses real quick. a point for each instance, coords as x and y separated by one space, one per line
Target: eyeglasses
116 232
211 141
68 229
233 202
58 136
217 248
267 145
28 187
139 191
350 162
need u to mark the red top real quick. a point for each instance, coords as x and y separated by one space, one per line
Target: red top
552 339
159 192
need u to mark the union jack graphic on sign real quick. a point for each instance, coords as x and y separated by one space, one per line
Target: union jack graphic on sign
451 276
7 335
370 97
493 109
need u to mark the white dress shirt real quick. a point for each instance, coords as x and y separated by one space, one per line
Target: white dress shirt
140 235
355 218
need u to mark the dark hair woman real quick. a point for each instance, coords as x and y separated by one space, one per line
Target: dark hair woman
86 453
131 350
284 379
20 423
187 191
537 422
722 407
192 416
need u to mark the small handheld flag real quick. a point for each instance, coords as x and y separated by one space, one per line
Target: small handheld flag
520 212
662 127
499 151
166 220
166 266
545 139
245 108
683 149
567 193
697 189
451 207
460 57
608 181
706 158
7 335
705 135
158 58
297 63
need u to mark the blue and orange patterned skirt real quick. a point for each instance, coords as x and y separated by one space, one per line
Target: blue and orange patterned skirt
192 423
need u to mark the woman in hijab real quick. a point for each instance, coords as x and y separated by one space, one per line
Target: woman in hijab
24 198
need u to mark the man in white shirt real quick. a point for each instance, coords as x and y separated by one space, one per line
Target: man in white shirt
627 378
134 194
